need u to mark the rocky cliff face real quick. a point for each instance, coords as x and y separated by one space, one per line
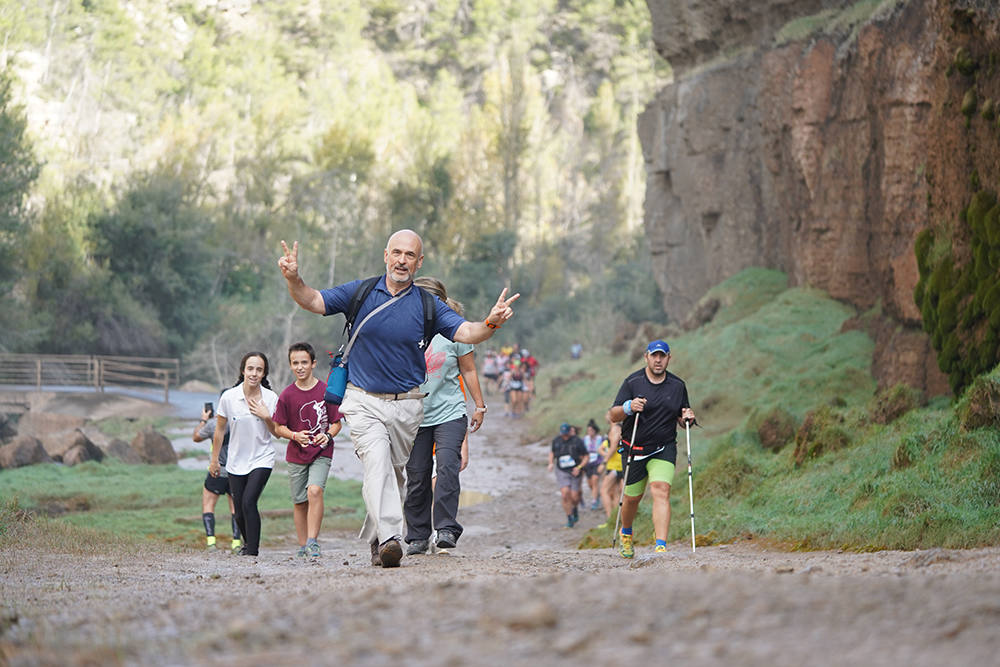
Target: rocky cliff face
821 148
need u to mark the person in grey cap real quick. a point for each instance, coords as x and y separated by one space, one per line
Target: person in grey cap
661 399
569 457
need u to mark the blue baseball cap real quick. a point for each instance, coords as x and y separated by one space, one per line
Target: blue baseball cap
658 346
564 429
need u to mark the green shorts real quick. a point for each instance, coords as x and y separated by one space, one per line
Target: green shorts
657 470
302 476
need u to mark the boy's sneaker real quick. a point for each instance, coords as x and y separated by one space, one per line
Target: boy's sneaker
627 550
301 553
236 546
446 539
660 549
312 550
417 547
596 505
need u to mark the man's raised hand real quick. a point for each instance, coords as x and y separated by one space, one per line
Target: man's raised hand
289 261
501 311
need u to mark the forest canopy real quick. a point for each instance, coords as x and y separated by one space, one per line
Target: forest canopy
154 155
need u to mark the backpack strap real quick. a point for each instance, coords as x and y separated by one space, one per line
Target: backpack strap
360 294
430 317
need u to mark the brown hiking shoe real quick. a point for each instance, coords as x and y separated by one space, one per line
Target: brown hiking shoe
390 553
376 561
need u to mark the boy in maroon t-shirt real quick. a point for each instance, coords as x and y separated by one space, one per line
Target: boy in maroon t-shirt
309 424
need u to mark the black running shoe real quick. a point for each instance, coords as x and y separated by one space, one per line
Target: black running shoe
446 539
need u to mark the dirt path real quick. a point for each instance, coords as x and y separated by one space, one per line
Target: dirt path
514 591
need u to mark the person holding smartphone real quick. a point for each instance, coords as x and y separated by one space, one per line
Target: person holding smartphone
215 486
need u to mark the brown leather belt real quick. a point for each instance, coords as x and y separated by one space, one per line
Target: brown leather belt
412 393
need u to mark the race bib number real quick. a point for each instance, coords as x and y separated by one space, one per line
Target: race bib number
566 461
594 456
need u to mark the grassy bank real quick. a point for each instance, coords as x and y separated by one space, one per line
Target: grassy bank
113 501
842 474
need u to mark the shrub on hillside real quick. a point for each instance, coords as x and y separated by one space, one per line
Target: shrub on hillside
822 431
890 404
981 405
958 294
776 429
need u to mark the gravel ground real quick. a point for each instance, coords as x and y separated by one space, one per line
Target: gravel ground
515 590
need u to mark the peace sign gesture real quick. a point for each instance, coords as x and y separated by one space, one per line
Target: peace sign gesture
501 311
289 262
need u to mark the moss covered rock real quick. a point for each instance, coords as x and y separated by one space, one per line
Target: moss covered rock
822 431
890 404
776 429
980 407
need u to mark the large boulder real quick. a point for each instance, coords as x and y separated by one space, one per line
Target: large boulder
153 447
24 450
80 449
58 446
122 451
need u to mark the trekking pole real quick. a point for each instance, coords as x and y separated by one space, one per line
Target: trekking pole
687 430
621 496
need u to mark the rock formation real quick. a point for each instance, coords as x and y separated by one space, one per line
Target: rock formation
819 138
153 447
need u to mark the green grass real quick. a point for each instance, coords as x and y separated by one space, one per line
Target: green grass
115 500
920 481
831 21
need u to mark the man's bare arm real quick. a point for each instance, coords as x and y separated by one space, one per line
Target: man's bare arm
477 332
307 297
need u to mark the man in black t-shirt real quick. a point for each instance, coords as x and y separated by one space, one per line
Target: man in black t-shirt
662 400
569 456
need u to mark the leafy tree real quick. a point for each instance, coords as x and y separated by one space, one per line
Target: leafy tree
18 170
154 243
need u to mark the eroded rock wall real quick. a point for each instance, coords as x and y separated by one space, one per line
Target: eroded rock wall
822 156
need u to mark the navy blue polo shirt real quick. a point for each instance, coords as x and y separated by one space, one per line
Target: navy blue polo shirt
386 357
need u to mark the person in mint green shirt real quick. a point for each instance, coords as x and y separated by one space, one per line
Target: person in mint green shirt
430 507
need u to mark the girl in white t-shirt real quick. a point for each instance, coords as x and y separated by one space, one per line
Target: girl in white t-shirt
251 452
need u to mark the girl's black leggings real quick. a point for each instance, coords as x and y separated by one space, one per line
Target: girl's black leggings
246 490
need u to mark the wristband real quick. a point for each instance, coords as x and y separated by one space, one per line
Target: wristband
482 409
490 324
627 406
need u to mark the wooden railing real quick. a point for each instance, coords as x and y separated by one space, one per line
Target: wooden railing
92 371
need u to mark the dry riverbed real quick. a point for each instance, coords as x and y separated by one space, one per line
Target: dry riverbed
515 590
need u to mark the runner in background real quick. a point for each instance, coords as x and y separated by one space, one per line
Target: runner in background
613 478
530 365
568 456
491 371
592 471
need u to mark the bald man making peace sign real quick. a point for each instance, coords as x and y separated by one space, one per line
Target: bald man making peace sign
382 404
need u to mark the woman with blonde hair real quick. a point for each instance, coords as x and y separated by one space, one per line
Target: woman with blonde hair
440 436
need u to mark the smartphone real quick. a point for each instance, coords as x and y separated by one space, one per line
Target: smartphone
209 409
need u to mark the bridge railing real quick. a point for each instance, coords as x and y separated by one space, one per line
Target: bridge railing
95 371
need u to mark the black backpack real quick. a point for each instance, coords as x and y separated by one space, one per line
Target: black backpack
366 287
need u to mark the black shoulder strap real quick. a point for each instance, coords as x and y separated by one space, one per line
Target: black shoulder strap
360 294
430 317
